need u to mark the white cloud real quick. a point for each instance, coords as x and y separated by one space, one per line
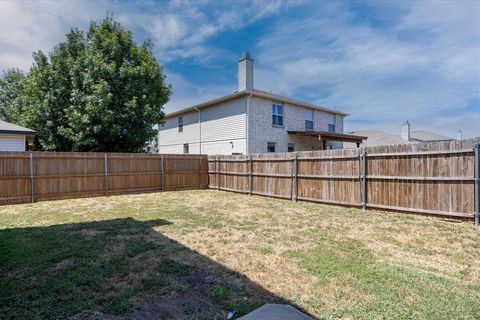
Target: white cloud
422 66
183 33
467 122
178 29
168 30
425 65
30 25
186 94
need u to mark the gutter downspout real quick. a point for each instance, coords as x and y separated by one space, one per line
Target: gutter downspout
199 130
247 135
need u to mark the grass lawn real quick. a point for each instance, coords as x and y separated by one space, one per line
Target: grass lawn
196 254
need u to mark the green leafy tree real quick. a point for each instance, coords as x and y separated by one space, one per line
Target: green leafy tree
97 91
12 100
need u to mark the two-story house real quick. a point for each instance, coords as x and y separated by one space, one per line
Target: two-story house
252 121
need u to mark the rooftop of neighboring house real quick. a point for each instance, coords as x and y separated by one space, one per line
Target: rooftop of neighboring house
246 88
10 128
377 137
425 136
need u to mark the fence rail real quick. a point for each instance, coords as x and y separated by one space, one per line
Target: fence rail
38 176
435 178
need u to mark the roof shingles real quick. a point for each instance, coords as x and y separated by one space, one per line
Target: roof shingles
10 128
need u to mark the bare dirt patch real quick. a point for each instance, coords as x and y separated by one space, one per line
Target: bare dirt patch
64 264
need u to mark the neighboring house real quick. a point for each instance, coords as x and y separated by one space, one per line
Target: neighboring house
378 138
252 121
14 137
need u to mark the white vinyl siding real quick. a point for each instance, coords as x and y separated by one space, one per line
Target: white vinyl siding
219 147
225 121
12 142
223 127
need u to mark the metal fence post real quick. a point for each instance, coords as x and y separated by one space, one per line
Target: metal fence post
477 183
218 173
162 187
295 177
250 169
364 178
32 182
106 174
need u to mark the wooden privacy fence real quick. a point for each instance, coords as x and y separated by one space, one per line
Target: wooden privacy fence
38 176
434 178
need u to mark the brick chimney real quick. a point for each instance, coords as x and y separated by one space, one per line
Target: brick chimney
405 131
245 72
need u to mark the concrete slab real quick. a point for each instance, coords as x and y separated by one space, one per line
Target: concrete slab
276 312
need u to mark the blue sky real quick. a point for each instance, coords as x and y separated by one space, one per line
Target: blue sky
382 62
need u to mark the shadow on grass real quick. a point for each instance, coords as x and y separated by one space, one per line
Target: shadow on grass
120 267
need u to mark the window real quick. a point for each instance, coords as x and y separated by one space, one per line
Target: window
180 124
271 147
331 123
185 148
277 115
309 120
291 147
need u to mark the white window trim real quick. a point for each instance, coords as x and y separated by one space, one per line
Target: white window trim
332 119
278 115
180 124
312 120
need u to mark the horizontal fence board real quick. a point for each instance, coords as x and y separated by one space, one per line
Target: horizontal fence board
270 195
419 210
312 176
407 178
417 154
342 203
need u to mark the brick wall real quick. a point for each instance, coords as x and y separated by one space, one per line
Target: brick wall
261 130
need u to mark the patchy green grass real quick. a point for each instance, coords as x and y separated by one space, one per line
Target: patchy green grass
197 254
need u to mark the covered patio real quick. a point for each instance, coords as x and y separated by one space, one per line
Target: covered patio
326 136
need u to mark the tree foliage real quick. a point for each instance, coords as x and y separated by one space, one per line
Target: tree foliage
97 91
12 100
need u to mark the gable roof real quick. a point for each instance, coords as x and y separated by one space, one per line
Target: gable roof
422 135
255 93
10 128
377 137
